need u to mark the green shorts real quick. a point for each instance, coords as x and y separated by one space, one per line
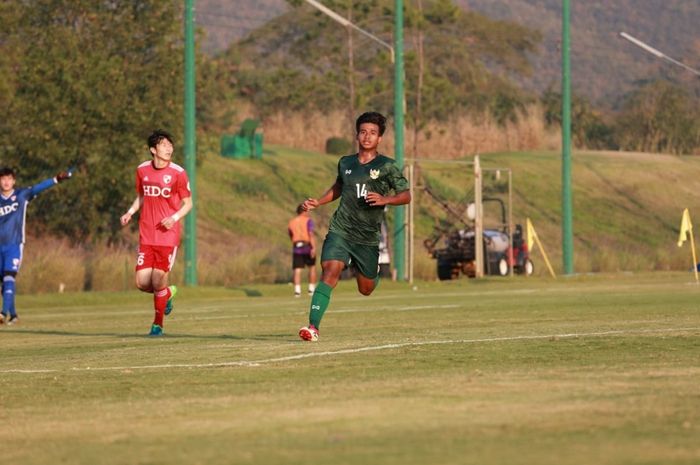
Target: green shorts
364 257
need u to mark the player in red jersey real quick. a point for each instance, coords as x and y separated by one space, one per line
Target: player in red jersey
164 197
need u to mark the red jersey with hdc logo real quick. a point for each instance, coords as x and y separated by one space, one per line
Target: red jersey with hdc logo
162 190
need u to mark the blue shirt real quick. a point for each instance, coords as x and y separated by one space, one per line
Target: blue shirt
13 211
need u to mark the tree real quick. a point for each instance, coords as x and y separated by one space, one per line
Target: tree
468 61
588 127
462 62
660 117
92 80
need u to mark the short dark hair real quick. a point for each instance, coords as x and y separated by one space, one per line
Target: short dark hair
300 209
157 136
7 171
374 118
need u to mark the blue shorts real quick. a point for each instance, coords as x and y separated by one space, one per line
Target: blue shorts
11 257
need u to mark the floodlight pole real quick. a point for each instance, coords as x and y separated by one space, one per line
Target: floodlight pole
657 53
190 147
399 110
339 19
566 197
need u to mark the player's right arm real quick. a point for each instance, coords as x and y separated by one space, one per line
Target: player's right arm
135 205
329 196
47 183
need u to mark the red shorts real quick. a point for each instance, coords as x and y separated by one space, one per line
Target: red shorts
161 257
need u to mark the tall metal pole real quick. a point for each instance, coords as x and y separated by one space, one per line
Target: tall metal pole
190 148
478 220
511 232
399 218
566 207
410 223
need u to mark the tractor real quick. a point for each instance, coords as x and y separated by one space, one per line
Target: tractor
459 252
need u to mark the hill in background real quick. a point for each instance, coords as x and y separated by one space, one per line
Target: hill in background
604 66
225 22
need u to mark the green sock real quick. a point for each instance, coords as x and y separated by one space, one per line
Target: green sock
319 303
376 281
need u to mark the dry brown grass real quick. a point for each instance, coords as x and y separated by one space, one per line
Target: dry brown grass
223 259
54 265
460 135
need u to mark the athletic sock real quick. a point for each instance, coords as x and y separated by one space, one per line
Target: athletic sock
319 303
160 300
376 281
8 295
312 288
297 289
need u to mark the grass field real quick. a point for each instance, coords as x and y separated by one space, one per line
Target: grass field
597 369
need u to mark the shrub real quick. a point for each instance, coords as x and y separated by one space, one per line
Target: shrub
338 146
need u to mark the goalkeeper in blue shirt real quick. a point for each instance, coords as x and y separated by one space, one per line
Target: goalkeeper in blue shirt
13 213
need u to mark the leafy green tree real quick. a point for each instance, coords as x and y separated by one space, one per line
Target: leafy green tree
91 80
9 17
588 127
300 61
468 59
660 117
462 64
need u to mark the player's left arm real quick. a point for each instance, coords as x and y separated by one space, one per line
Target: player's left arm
377 200
48 183
398 183
170 221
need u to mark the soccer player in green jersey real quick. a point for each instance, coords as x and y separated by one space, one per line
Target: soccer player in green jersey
366 182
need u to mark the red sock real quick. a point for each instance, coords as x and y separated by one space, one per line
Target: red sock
160 300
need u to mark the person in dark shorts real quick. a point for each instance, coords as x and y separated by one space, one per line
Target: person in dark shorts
366 182
301 232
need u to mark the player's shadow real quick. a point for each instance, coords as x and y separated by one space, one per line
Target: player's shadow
248 291
232 337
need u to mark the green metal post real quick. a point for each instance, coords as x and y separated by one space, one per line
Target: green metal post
566 197
400 215
190 148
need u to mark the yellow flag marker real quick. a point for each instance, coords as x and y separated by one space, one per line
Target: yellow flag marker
687 230
531 239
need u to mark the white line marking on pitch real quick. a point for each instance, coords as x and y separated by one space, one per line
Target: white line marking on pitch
232 313
399 345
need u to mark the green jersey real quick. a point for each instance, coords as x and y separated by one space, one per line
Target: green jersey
355 219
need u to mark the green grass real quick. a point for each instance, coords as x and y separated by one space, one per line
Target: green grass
585 370
627 207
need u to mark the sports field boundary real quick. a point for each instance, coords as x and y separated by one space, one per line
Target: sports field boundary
356 350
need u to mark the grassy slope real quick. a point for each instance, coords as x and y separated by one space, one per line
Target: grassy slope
244 207
627 207
627 214
478 376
